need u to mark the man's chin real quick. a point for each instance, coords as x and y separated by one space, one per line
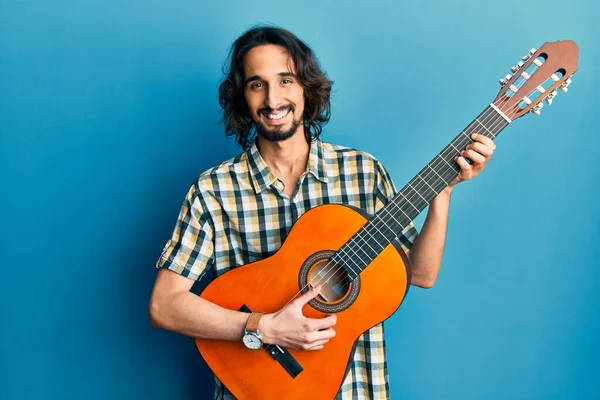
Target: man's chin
279 133
275 136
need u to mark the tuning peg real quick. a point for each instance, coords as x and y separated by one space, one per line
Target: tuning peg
563 89
537 109
504 81
528 55
517 67
550 97
566 84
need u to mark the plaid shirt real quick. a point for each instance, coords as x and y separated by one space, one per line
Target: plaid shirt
237 213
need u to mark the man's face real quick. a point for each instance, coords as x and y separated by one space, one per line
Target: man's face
272 91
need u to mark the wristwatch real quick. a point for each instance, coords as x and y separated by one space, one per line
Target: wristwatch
252 338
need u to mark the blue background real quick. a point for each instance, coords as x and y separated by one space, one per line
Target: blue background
108 112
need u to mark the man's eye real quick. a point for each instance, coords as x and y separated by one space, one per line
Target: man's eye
286 81
256 85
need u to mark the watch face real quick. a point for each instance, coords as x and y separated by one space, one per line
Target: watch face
252 341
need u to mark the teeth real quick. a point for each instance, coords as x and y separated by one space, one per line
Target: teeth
278 116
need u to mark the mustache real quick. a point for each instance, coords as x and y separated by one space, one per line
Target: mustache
268 110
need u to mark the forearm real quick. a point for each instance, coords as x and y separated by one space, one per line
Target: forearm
426 253
188 314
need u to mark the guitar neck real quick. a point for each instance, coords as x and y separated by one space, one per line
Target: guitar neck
375 235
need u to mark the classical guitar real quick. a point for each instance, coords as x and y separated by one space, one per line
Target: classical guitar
356 257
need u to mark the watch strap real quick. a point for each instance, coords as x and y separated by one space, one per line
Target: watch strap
252 323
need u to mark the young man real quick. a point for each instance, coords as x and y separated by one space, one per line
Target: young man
275 100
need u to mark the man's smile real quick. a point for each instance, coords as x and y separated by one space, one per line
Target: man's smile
278 117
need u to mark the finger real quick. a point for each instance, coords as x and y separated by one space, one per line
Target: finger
481 148
483 139
463 164
312 337
317 345
308 296
473 156
316 324
315 348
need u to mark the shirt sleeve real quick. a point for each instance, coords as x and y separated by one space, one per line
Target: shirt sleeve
384 191
190 251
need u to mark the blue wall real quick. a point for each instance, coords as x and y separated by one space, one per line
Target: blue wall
108 112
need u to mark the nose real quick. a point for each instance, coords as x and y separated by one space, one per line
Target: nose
274 97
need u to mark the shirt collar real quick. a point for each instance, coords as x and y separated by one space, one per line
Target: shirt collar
262 176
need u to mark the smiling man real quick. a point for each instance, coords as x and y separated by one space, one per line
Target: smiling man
276 100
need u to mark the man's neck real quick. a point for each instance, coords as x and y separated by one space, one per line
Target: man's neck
286 158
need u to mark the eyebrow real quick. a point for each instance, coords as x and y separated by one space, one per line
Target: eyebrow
258 78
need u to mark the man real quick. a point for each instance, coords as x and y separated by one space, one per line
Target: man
242 209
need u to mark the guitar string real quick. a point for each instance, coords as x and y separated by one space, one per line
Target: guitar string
378 219
367 234
416 187
349 244
399 206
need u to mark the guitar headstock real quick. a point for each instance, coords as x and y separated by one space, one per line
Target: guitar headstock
537 77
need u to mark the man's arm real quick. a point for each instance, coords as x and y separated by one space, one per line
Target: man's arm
425 255
175 308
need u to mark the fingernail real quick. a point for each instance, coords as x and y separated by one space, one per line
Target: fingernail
474 135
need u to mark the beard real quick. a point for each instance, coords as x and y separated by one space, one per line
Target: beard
277 134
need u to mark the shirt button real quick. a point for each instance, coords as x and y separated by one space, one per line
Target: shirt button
279 185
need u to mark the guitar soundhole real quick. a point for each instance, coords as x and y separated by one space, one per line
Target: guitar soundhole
334 281
338 291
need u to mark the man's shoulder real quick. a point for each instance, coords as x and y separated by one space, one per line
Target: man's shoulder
225 170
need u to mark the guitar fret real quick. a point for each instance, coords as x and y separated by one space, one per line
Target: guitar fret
398 207
484 127
425 180
442 179
446 162
391 215
454 147
409 185
403 208
467 136
409 202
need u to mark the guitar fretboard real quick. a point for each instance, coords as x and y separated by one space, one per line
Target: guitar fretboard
389 222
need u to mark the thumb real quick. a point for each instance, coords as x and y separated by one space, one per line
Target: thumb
308 296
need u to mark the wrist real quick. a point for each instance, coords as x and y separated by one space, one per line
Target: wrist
447 190
265 328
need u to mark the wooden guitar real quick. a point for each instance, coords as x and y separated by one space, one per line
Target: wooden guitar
355 257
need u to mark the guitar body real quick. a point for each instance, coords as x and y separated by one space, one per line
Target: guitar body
269 284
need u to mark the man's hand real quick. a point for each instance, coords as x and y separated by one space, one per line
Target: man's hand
290 328
480 152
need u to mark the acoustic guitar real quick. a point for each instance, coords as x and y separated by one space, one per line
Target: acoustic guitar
355 257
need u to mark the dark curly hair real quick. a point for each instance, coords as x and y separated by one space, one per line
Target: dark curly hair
316 85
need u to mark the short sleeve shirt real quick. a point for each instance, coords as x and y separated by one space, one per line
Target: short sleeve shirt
238 212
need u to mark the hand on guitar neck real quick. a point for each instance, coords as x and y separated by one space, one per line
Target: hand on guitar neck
291 329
